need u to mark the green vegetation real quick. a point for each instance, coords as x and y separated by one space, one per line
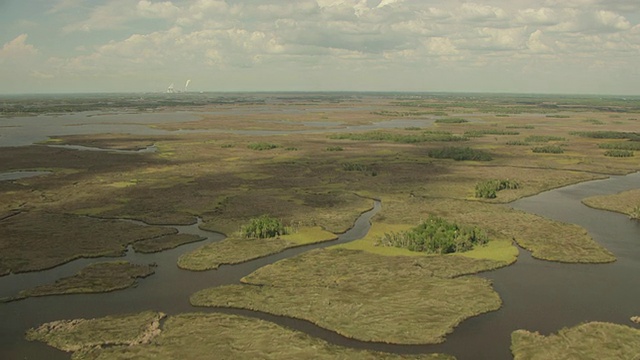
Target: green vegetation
624 145
520 127
548 149
483 132
618 153
365 296
594 340
412 128
164 243
263 227
594 121
559 116
335 148
426 136
626 202
488 189
83 335
260 146
408 113
23 249
95 278
227 146
291 148
436 236
235 250
453 120
608 135
203 336
517 143
460 153
543 138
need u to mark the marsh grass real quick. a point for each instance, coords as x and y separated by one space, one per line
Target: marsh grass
624 145
543 138
460 154
594 340
452 120
260 146
237 249
95 278
82 335
222 336
23 249
426 136
618 153
548 149
164 243
366 296
488 189
626 202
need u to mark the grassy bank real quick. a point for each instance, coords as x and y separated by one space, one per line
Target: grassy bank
95 278
195 336
626 202
405 300
595 340
236 249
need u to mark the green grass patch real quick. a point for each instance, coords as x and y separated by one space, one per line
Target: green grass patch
453 120
520 127
558 116
548 149
517 143
483 132
260 146
460 153
543 138
488 189
618 153
622 145
608 135
427 136
594 340
335 148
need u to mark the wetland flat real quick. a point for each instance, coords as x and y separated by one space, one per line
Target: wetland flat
164 178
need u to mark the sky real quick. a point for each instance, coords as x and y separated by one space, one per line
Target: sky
514 46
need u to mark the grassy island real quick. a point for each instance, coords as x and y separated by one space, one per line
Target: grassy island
194 336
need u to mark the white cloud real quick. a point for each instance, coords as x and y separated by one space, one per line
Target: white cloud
322 35
17 48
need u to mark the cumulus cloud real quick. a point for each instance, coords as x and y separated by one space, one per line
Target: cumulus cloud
150 35
17 48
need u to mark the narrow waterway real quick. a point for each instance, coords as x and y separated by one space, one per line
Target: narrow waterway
538 295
